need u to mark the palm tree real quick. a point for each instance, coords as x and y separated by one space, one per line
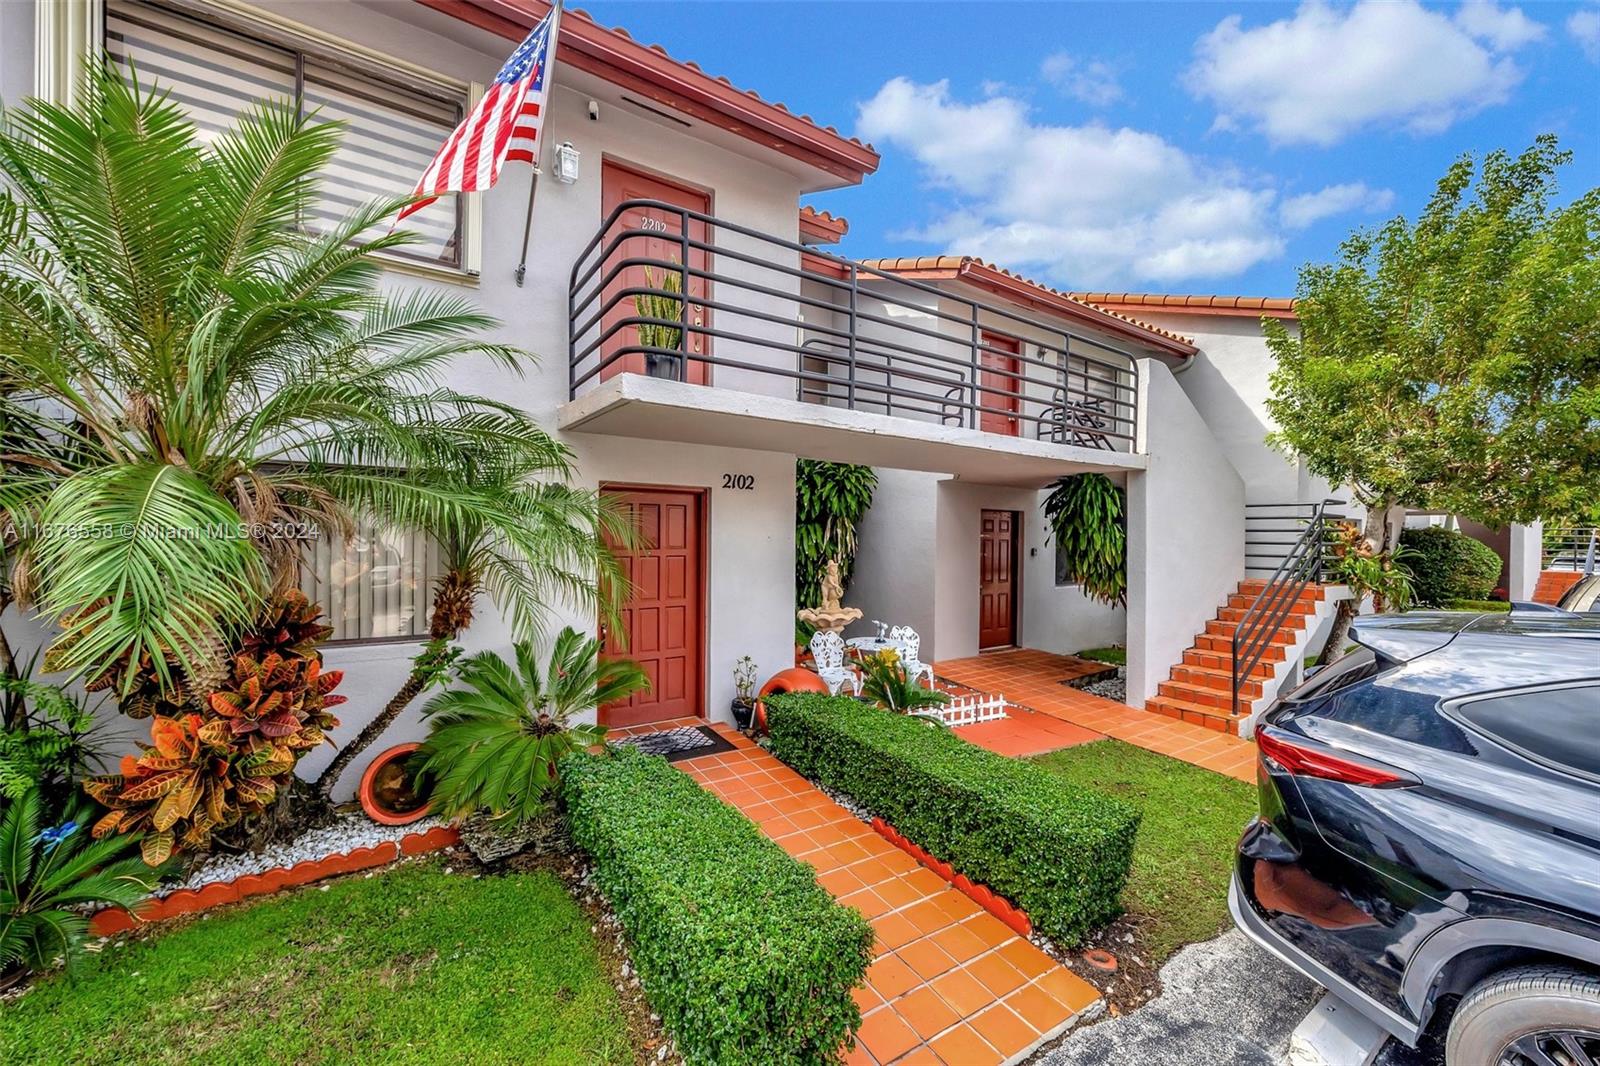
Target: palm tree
539 541
495 743
200 363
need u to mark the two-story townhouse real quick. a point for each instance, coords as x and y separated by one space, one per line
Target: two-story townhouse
970 392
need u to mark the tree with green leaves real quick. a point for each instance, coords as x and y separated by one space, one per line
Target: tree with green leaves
1452 363
198 372
540 542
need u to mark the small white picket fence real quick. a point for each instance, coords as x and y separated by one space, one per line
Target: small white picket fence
970 710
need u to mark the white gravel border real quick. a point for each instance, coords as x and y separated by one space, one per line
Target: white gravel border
351 831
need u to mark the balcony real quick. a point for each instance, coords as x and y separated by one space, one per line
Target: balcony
686 327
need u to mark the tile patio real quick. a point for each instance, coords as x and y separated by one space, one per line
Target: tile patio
950 983
1032 679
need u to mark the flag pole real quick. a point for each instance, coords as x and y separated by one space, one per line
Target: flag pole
549 97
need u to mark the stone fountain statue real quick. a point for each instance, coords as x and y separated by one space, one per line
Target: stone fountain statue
830 616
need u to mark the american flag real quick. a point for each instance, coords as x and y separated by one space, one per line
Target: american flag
505 124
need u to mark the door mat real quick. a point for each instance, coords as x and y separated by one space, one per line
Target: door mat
687 742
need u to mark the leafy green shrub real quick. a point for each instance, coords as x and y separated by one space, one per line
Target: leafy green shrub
1059 852
47 738
494 744
51 877
884 681
1088 522
743 954
830 499
1481 606
1449 565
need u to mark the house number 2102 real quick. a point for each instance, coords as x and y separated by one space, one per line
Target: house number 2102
747 482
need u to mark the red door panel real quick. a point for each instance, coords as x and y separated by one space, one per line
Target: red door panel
997 579
618 184
663 624
999 393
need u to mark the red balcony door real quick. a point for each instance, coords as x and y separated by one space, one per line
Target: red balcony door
1000 394
663 622
997 580
661 242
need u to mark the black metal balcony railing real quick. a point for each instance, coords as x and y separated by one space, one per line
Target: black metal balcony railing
675 293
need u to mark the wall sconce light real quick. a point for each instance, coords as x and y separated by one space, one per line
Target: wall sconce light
566 164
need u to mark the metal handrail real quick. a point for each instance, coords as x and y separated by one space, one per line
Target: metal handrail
1572 548
898 346
1302 565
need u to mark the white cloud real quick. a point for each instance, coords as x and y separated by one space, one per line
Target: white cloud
1298 212
1327 72
1086 205
1584 26
1094 82
1505 28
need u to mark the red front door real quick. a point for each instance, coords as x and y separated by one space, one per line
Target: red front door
661 242
997 580
1000 391
663 623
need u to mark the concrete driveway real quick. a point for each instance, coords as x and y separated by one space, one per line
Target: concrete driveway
1225 1002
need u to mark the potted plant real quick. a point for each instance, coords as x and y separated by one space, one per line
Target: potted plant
744 687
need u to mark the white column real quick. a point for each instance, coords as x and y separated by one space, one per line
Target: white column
1527 558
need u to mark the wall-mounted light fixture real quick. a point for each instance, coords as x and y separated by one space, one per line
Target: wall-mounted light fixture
566 163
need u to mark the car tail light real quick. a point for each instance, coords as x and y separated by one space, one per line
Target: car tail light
1302 760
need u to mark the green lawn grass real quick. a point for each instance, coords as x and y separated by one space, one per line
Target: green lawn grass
1178 887
1114 656
409 966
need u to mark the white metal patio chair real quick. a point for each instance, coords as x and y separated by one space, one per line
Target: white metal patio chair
910 649
827 655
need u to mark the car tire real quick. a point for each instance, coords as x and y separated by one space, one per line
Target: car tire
1520 1005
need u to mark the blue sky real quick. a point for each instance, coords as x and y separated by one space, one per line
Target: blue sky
1170 147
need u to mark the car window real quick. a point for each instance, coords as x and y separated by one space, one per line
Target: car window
1556 726
1584 596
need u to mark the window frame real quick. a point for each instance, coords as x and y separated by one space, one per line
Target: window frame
424 605
60 48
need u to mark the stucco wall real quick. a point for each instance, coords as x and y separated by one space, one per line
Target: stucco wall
1185 533
893 581
1228 385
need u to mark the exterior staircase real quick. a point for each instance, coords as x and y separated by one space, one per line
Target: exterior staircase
1200 687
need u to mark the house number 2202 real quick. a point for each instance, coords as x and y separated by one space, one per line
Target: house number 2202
747 482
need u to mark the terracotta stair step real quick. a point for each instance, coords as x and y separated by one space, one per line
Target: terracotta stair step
1217 700
1294 616
1223 645
1194 713
1216 680
1223 660
1306 601
1219 628
1253 586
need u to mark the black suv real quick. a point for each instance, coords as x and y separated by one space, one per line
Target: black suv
1429 834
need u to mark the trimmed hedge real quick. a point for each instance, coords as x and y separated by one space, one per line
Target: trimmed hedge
1446 565
745 957
1059 852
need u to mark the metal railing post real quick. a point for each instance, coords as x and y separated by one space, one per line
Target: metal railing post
977 372
850 356
683 304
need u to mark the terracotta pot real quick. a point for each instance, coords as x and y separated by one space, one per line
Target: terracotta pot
793 680
385 790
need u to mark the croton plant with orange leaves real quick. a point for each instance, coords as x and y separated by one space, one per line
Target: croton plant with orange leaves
206 771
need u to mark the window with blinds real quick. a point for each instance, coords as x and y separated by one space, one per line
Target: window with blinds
377 586
216 67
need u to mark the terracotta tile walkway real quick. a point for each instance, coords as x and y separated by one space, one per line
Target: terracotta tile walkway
1032 679
950 982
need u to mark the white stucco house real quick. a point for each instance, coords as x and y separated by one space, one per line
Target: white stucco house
967 387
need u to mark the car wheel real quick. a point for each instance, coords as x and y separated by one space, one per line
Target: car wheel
1530 1016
